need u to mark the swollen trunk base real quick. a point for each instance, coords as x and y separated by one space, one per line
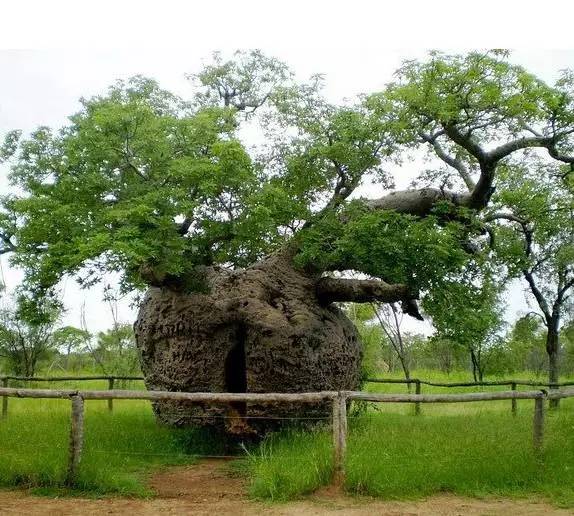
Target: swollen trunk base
261 329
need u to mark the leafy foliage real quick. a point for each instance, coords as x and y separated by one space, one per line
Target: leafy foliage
28 334
402 248
143 183
482 97
116 350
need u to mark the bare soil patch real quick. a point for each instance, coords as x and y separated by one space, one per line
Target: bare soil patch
207 489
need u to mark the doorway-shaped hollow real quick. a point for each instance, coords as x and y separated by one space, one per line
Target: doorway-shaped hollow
236 370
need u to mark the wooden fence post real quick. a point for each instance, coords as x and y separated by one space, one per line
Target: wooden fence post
538 424
513 387
339 438
417 404
111 388
76 439
4 400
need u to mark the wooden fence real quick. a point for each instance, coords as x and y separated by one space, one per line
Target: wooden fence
513 384
339 402
417 382
110 379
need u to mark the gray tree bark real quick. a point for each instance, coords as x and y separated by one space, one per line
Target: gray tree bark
260 329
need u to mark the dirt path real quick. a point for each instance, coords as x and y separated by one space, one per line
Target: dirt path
207 489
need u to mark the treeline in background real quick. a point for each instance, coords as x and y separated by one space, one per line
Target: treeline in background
33 342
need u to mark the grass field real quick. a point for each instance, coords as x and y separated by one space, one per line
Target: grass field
395 455
474 449
120 449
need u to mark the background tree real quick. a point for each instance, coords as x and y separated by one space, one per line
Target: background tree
384 341
526 345
390 319
377 358
27 334
437 352
117 350
474 322
68 340
535 240
163 192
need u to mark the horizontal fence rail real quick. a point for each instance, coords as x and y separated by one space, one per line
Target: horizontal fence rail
68 378
339 401
447 398
111 379
531 383
199 397
513 384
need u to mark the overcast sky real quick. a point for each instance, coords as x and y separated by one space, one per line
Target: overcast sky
83 46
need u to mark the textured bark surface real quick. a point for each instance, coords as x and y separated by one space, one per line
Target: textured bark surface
261 329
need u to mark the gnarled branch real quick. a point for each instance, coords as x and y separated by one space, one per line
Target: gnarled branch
466 141
452 161
417 202
331 289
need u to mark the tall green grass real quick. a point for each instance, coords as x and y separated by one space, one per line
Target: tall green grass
393 454
120 449
472 449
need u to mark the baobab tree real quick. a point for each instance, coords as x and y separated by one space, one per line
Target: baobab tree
243 253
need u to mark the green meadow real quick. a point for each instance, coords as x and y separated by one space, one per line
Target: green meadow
476 449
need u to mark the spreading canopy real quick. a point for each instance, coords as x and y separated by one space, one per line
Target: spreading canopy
153 187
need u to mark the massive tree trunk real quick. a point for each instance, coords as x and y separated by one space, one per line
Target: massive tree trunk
260 329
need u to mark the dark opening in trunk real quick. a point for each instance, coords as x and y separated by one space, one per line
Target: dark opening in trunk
236 371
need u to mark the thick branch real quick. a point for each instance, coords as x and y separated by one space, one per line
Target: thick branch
7 245
466 141
480 196
521 143
330 290
481 193
557 155
417 202
488 161
453 162
550 144
185 225
537 294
